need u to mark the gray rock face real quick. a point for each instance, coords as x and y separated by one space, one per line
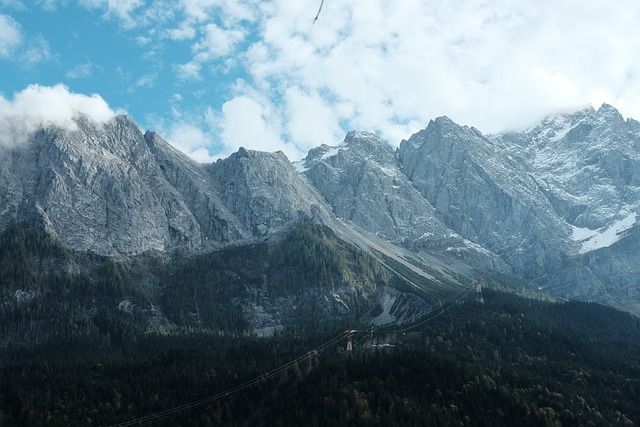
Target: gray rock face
486 194
113 191
588 165
264 191
87 188
607 275
556 203
362 182
199 191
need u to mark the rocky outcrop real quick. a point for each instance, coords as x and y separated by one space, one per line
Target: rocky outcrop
557 201
554 202
199 191
486 195
110 190
362 182
265 193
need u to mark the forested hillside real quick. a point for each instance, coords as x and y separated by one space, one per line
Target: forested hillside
163 341
308 282
510 361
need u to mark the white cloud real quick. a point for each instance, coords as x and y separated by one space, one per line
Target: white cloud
147 81
123 10
189 71
80 71
191 140
197 9
184 32
144 40
216 42
49 5
38 106
37 51
245 122
13 4
392 66
311 119
376 65
10 35
231 11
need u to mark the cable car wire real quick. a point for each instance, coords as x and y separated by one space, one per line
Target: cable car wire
261 378
449 302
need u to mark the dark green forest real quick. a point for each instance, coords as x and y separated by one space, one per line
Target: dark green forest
53 297
511 361
69 355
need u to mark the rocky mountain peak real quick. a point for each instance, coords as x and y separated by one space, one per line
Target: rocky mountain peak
485 192
366 141
543 203
588 163
366 145
264 191
609 112
444 126
110 190
442 135
362 182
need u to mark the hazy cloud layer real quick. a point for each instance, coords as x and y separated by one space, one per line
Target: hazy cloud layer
38 106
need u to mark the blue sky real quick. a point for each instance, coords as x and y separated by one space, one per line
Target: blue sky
213 75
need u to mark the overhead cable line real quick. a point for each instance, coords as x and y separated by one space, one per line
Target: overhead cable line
444 305
263 377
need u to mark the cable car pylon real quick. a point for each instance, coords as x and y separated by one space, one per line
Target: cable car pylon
479 282
349 336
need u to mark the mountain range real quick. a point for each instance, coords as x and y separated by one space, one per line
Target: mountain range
554 206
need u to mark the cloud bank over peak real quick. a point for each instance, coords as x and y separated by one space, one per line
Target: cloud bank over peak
38 106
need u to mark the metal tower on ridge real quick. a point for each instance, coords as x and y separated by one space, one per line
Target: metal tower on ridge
479 290
349 336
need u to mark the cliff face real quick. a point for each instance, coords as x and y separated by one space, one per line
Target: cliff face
587 164
486 191
362 182
555 204
110 190
365 183
100 189
554 201
265 193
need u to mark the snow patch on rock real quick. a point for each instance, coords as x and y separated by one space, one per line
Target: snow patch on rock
603 237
